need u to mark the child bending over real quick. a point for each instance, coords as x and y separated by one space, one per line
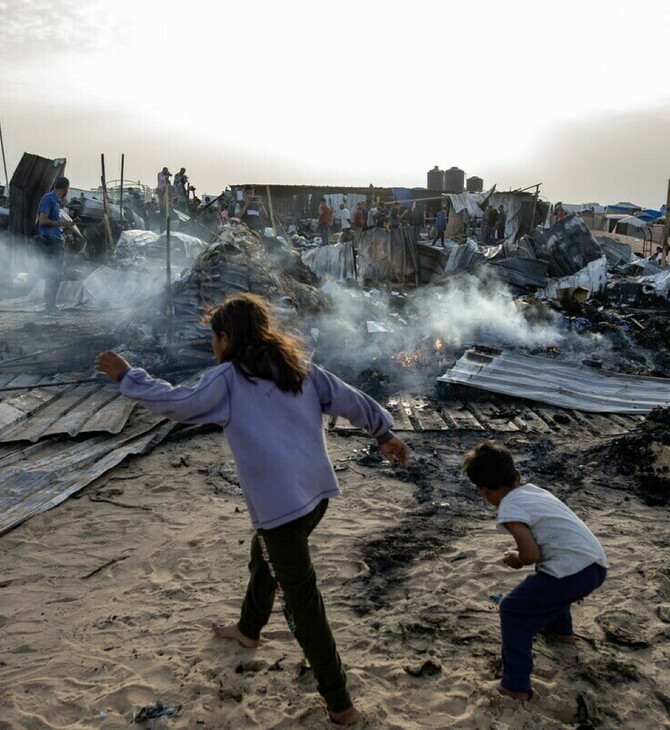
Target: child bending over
569 561
271 402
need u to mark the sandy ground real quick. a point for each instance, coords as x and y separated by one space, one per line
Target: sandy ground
408 564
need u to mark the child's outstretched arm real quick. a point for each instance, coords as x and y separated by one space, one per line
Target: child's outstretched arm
527 552
206 402
339 399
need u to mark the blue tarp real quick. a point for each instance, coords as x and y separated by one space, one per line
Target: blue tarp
404 194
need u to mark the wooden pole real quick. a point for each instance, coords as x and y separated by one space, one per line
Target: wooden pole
4 161
168 266
105 205
272 213
121 195
666 229
535 197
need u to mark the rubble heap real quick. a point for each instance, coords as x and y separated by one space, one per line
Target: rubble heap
240 260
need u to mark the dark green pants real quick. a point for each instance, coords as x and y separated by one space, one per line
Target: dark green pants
280 561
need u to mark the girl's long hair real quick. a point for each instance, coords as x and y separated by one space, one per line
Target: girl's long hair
256 347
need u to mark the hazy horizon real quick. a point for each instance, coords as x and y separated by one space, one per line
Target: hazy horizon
565 96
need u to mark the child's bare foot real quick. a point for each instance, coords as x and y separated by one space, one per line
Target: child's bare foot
525 696
232 632
348 717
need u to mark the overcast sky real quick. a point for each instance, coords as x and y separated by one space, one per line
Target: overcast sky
570 94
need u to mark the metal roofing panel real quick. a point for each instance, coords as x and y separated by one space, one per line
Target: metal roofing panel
558 383
50 476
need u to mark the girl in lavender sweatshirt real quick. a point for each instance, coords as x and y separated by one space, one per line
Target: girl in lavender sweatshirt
271 402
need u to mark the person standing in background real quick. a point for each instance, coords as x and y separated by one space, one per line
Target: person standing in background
345 222
502 222
397 216
371 217
416 221
50 231
381 216
492 222
440 226
325 220
252 211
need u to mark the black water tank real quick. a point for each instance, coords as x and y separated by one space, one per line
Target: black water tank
435 179
454 180
475 184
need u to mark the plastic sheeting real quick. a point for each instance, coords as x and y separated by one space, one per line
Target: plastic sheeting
558 383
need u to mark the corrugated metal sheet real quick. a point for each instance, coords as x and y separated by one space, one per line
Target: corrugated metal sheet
69 410
38 477
34 177
558 383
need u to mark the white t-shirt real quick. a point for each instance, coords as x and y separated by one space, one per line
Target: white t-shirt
566 543
344 218
371 217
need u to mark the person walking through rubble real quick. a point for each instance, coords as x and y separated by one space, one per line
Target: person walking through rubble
270 402
440 226
491 223
52 239
325 220
163 195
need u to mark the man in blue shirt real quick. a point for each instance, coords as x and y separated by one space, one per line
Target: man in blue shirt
50 231
441 226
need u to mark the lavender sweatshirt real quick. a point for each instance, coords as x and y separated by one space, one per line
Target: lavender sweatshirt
277 438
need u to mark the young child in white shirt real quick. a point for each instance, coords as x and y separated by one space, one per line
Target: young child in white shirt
569 561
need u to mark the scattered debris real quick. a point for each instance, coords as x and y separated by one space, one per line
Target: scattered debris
429 668
153 712
623 627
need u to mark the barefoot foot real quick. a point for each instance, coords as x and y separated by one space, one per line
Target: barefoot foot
348 717
232 632
525 696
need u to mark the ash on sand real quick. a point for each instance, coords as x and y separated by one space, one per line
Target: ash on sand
643 455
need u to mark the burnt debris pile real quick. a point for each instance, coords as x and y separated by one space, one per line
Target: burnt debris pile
240 260
642 456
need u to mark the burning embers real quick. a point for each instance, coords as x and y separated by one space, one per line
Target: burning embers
425 355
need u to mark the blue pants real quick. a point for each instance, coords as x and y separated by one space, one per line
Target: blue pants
323 232
539 603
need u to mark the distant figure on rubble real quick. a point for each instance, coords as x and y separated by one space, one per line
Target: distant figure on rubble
345 222
440 226
325 220
359 221
252 211
52 241
397 216
372 216
491 223
416 220
500 225
181 188
381 216
270 401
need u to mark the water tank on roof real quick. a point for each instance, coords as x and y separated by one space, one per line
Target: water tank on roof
454 180
475 184
435 179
